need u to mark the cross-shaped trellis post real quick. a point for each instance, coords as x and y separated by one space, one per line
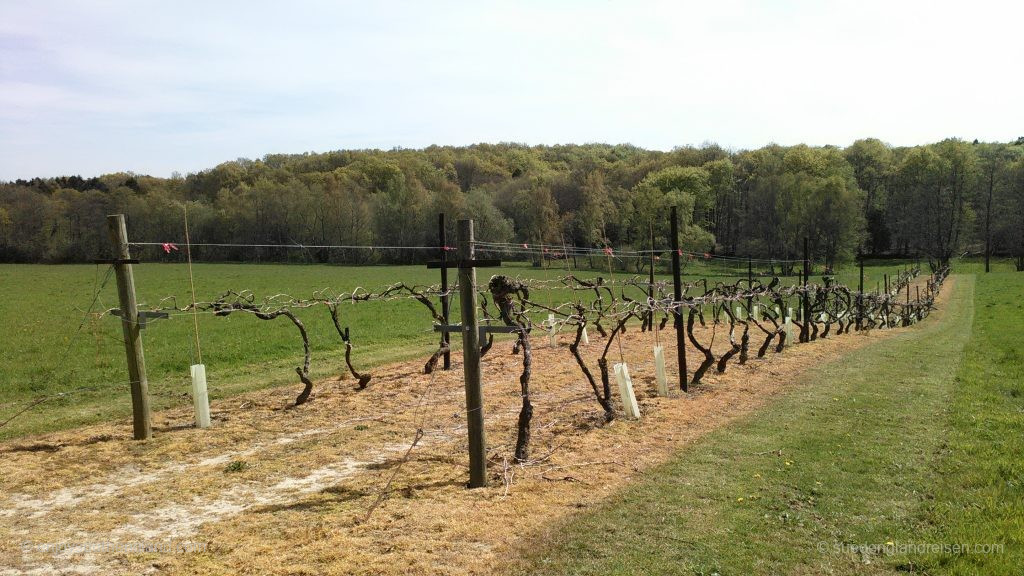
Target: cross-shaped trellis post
471 336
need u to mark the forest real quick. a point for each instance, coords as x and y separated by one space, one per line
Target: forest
933 201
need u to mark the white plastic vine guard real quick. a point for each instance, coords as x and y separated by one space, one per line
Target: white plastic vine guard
659 370
200 399
629 404
584 339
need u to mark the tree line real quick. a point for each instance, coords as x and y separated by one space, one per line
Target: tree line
931 201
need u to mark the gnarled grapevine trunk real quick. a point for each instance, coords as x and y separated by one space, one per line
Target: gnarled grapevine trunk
709 358
362 379
222 308
603 395
503 291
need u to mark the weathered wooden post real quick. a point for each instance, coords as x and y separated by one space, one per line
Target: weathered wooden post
471 357
860 291
131 327
649 320
677 302
750 286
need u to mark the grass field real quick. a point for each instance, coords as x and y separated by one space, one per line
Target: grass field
903 456
46 353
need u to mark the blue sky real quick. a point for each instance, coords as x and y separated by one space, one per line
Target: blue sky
91 87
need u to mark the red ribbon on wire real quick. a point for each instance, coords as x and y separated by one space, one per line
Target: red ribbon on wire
168 246
608 250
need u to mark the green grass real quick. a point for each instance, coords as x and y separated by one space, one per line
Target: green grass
44 352
979 495
913 441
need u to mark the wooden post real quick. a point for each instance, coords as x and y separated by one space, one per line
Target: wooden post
130 327
677 301
650 284
805 333
860 290
471 358
442 239
750 286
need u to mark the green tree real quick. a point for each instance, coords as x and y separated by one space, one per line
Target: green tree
872 163
682 187
727 213
995 162
931 206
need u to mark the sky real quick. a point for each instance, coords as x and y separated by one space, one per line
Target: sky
92 87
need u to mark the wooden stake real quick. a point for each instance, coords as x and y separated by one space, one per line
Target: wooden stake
677 313
130 327
471 358
650 285
750 286
860 290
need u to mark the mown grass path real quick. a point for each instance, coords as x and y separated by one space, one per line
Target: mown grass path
818 482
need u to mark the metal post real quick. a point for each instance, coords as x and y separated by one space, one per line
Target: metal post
471 358
130 327
442 238
677 312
